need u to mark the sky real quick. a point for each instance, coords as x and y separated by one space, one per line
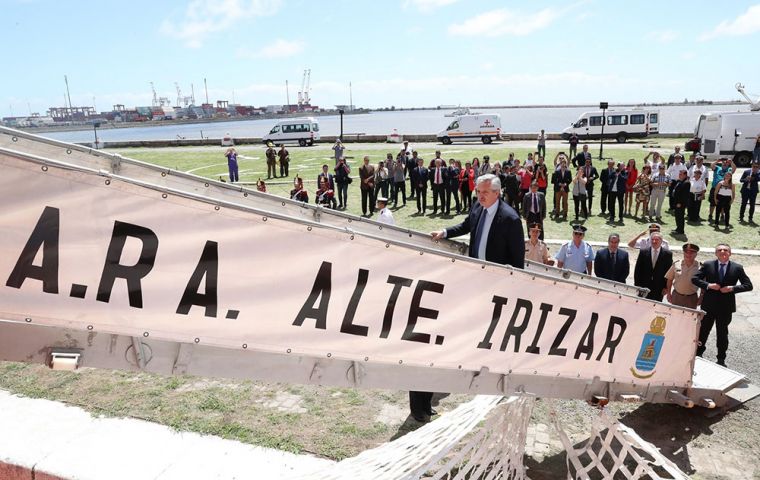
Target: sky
402 53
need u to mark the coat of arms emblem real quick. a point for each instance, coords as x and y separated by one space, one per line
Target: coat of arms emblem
650 349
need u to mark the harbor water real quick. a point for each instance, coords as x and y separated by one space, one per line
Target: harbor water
674 119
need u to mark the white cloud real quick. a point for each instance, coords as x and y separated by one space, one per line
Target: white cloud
503 21
745 24
427 5
665 36
205 17
280 48
689 56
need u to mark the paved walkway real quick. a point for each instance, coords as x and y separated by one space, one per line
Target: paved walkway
54 440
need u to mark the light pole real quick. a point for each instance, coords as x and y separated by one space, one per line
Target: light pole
341 123
603 106
95 126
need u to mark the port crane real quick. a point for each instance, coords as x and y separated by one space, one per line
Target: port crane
754 105
186 100
159 101
303 94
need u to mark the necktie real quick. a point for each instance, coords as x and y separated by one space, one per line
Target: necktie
588 171
535 203
721 272
655 253
479 233
614 260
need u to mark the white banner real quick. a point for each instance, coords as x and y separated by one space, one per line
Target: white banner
80 250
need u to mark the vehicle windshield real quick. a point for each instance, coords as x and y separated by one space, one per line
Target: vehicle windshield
315 127
275 129
454 125
699 124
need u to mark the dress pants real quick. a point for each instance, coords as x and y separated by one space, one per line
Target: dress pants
368 200
680 214
604 201
439 195
694 205
748 198
399 187
421 194
342 194
452 191
721 329
612 199
655 202
420 403
579 201
589 198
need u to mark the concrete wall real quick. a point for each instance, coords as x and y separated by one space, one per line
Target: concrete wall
352 138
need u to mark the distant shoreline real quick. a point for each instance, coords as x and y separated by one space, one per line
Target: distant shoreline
159 123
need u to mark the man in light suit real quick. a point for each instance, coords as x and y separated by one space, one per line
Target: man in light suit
651 266
534 208
611 262
720 280
496 235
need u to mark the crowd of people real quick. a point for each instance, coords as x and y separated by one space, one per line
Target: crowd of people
498 198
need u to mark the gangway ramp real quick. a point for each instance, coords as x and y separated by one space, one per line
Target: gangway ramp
560 338
173 179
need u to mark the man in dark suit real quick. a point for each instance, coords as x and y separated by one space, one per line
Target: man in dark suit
604 179
616 191
681 200
496 235
589 171
581 159
419 178
367 187
718 279
561 179
611 262
534 208
438 174
651 266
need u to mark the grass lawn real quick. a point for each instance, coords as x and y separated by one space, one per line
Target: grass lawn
307 162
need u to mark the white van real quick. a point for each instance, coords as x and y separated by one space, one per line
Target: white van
481 127
620 125
304 131
726 134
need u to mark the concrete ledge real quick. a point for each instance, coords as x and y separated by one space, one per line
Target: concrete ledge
347 138
44 440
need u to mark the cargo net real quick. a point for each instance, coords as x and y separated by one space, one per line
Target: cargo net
447 449
614 451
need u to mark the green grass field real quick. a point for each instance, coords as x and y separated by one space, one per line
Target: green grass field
306 162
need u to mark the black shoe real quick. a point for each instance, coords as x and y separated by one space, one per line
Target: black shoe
432 412
722 363
421 417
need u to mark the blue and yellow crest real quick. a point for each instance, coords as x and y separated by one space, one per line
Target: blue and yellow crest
650 349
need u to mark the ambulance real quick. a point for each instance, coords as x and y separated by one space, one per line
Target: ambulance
483 127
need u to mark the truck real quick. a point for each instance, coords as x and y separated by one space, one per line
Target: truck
618 124
304 131
728 134
483 127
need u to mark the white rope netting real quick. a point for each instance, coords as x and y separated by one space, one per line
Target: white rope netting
614 451
442 450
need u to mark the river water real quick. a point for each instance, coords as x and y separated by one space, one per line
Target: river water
674 119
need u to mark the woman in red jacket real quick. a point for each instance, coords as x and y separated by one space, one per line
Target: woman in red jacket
467 185
633 174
